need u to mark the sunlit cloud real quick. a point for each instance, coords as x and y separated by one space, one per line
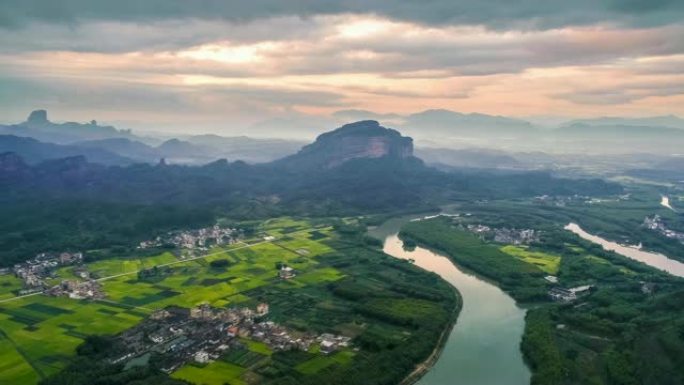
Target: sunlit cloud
318 64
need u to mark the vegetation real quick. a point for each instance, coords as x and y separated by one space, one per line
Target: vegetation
394 320
524 281
71 204
546 262
627 330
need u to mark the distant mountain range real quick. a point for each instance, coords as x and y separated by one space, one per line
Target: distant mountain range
38 126
362 165
454 130
442 137
654 121
357 169
38 139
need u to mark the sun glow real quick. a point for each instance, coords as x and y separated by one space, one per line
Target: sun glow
227 53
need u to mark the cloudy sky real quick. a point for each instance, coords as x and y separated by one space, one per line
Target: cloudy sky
212 65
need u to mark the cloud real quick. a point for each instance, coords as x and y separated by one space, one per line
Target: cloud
496 14
625 93
237 61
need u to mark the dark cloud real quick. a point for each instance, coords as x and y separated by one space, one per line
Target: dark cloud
496 14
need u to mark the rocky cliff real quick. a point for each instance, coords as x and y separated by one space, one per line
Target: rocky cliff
364 139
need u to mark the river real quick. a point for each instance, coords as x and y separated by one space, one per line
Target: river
657 260
484 345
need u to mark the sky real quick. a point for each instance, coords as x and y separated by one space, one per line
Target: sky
221 66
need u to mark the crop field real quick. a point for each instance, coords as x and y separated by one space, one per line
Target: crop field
319 363
9 284
39 334
114 266
215 373
546 262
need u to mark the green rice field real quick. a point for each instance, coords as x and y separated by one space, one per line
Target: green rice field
39 334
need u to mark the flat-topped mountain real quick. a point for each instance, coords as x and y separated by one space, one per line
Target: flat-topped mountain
360 140
39 127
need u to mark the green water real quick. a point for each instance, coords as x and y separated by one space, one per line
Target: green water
484 346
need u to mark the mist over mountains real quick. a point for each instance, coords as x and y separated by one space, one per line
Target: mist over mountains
444 138
39 139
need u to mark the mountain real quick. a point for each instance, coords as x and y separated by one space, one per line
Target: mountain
447 124
618 131
181 151
34 151
250 150
361 140
132 149
670 121
468 158
358 167
39 127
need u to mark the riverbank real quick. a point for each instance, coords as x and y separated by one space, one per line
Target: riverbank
653 259
625 329
489 324
425 366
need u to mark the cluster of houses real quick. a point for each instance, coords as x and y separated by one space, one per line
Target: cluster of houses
74 289
204 333
504 234
34 271
199 239
560 294
656 223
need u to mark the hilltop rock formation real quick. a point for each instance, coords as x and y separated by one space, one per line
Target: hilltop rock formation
365 139
38 117
38 126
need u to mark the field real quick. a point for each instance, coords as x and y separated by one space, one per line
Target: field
8 285
215 373
319 363
546 262
39 334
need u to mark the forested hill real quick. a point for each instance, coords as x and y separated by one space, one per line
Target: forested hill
74 203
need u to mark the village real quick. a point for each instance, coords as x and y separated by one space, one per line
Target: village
657 224
199 239
504 235
560 294
204 333
34 272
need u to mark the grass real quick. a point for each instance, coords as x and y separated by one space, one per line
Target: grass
546 262
319 363
257 347
216 373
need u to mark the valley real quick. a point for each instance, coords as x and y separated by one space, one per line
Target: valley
321 267
317 299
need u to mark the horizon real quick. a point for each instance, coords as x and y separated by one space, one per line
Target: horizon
395 121
232 68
